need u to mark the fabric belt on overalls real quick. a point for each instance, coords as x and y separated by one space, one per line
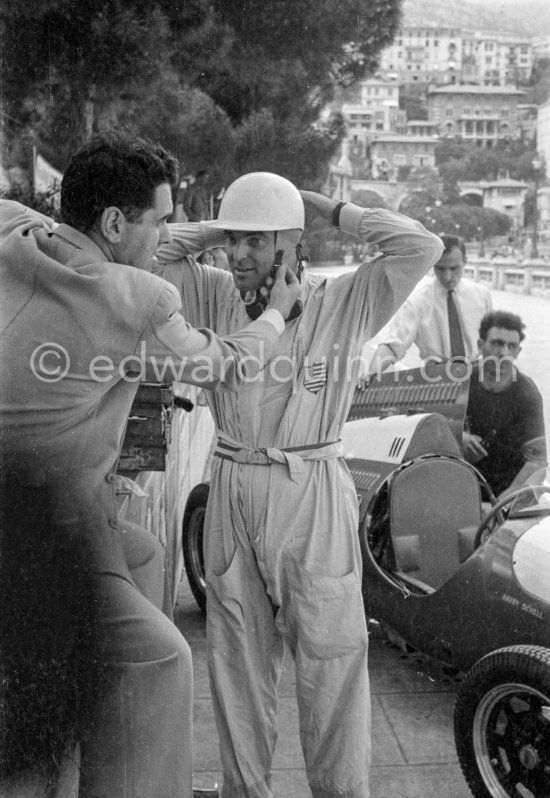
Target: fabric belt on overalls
292 456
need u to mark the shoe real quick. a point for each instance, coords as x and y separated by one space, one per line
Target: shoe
198 792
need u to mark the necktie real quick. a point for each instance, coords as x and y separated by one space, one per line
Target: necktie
455 331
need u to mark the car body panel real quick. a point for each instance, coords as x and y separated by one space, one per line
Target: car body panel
467 603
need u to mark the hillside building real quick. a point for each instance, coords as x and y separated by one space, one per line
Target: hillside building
387 153
434 54
377 112
483 115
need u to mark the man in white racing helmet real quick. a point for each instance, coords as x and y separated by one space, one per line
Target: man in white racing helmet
282 553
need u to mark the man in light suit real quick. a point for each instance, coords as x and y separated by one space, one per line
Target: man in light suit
82 320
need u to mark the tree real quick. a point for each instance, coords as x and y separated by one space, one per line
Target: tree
269 68
412 100
463 220
61 58
185 120
464 161
368 199
289 55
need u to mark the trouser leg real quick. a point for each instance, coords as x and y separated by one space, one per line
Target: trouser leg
137 741
334 712
245 660
145 557
325 627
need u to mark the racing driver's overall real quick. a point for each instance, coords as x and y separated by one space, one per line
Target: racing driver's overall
283 560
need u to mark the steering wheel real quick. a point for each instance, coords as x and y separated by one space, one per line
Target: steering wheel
495 514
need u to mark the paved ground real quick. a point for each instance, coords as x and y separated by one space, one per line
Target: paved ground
413 747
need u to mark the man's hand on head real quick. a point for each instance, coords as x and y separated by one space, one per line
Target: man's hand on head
324 206
282 291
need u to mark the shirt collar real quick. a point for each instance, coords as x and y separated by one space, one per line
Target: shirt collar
80 240
444 291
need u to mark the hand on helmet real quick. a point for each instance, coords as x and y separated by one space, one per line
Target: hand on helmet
282 291
318 202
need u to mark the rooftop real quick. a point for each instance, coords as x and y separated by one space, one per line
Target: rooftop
394 139
467 88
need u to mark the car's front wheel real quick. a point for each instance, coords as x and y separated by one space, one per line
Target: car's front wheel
502 724
192 538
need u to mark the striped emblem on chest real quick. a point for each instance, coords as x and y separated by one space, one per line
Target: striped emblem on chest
315 376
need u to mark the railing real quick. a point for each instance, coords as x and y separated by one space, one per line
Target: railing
506 274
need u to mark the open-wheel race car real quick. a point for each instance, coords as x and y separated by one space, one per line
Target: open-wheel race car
449 570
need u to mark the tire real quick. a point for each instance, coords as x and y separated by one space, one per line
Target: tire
192 540
502 724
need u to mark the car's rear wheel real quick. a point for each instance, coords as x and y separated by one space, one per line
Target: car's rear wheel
502 724
192 539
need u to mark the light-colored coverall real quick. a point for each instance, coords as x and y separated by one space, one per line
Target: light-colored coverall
63 307
282 552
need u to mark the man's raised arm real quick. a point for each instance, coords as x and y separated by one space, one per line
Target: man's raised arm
407 251
176 351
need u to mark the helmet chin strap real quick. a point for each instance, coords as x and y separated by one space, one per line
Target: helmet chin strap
253 297
255 302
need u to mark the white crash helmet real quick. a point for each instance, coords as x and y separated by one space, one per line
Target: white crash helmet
260 201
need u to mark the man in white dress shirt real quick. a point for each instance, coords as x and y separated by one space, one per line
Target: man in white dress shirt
441 316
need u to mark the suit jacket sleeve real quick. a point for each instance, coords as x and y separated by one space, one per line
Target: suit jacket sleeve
175 351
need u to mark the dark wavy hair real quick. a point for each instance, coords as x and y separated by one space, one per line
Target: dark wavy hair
114 169
453 242
503 319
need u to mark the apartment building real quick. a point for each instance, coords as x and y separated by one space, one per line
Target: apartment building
543 134
388 152
430 54
541 48
376 112
503 60
423 55
483 115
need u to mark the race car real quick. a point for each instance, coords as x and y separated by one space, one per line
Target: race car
448 570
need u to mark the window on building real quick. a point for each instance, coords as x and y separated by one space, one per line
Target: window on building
466 111
505 113
449 111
